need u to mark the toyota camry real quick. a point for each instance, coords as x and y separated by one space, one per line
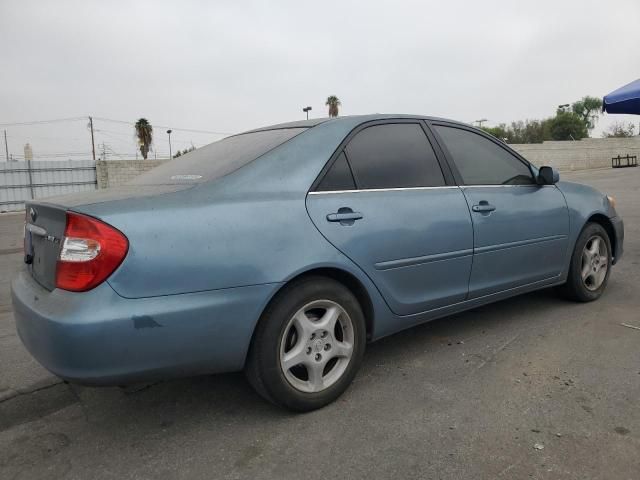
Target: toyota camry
284 250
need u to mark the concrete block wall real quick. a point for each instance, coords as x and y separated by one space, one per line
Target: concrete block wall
566 155
113 173
578 155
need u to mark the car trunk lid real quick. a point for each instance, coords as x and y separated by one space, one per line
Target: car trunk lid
44 230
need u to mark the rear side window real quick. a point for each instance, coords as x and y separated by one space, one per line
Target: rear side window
480 161
393 156
217 159
338 177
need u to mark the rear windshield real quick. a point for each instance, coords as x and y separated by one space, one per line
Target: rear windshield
216 159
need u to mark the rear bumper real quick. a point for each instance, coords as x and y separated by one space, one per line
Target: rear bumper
100 338
618 248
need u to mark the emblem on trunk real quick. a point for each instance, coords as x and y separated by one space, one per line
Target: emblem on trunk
33 214
186 177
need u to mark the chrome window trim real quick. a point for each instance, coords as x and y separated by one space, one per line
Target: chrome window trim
501 186
443 187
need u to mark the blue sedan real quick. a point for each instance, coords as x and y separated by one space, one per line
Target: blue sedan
282 251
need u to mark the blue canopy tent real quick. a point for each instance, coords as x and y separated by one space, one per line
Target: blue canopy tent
623 100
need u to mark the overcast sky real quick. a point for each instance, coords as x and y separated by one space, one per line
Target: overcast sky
227 66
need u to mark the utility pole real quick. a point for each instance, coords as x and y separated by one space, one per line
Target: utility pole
6 147
481 121
93 146
169 133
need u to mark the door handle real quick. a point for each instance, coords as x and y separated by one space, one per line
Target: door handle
345 216
483 207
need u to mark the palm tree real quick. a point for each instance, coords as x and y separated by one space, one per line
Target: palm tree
144 134
333 103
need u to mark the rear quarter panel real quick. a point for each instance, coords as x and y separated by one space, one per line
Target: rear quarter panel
182 248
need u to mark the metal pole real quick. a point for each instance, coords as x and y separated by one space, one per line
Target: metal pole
30 178
6 147
93 147
169 133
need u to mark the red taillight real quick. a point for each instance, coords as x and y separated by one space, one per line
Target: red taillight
91 251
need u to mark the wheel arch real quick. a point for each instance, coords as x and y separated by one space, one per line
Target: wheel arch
605 223
347 279
351 282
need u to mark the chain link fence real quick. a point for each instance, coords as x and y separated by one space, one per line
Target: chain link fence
27 180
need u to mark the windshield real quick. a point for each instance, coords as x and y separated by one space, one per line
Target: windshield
217 159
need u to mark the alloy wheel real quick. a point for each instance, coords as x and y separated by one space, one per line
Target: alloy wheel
316 346
595 263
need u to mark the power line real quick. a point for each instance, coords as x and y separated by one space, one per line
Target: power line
74 152
38 122
165 126
54 155
110 133
102 130
74 119
29 137
106 148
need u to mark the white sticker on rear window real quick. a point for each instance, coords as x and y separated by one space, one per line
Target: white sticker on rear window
186 177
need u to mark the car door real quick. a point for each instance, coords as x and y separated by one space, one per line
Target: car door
520 228
383 201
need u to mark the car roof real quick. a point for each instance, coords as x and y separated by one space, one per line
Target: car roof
312 122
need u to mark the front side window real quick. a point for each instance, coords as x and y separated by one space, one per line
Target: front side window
393 156
480 161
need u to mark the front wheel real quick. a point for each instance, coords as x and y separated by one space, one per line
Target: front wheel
590 265
308 345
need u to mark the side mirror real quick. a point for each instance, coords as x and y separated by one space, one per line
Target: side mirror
548 176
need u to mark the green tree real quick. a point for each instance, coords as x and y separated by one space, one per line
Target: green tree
567 126
588 109
499 131
144 135
620 130
184 152
527 131
333 103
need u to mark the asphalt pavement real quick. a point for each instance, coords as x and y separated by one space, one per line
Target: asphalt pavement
532 387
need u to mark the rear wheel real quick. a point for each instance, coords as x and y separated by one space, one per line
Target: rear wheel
308 345
590 265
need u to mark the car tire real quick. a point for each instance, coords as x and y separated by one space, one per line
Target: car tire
590 265
319 323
